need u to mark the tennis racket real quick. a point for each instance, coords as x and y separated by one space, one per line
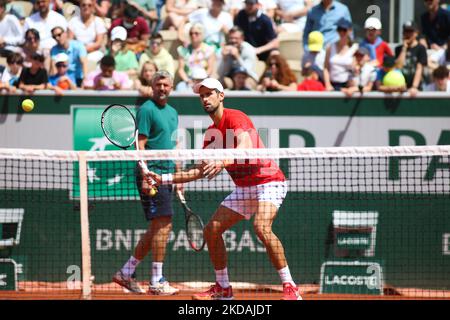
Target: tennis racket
194 225
119 127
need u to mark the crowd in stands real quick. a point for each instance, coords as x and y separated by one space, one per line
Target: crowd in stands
118 45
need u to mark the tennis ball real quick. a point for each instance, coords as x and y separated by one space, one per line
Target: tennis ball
152 192
394 78
27 105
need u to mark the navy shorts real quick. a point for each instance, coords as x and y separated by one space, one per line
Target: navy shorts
159 205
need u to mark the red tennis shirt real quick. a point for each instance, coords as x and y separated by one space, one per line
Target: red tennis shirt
248 172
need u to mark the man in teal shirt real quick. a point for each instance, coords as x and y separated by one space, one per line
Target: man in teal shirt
157 124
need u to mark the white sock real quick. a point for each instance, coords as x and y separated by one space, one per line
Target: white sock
129 267
156 272
285 275
222 278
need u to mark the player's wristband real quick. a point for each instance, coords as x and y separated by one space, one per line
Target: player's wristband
166 178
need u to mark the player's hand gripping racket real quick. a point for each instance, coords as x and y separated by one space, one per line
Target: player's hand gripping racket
194 225
119 127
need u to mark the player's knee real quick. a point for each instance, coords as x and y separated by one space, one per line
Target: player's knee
263 232
212 229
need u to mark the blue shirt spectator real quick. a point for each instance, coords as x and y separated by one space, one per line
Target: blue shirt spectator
75 50
324 17
435 25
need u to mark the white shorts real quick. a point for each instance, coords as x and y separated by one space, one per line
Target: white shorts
244 200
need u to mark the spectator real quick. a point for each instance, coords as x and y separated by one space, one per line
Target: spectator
32 45
411 58
125 59
292 14
237 54
116 9
11 32
439 58
107 78
89 29
324 18
35 77
268 7
102 8
311 82
138 31
16 10
144 82
339 58
315 53
147 9
159 55
435 25
380 82
76 52
441 81
217 22
378 48
11 74
258 29
364 73
277 76
196 54
178 12
239 76
198 74
44 20
62 80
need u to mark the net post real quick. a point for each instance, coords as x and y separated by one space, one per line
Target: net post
84 218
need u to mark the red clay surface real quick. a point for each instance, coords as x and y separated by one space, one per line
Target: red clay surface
52 291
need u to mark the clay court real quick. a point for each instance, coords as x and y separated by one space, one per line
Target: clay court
54 291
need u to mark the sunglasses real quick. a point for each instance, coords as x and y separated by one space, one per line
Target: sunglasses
273 64
56 36
61 65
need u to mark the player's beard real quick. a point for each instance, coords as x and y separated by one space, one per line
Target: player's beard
210 109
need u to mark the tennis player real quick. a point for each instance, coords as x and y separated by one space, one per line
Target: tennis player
157 122
260 191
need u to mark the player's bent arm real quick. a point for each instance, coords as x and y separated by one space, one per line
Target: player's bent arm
178 177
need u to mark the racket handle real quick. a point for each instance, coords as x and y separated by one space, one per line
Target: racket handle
146 171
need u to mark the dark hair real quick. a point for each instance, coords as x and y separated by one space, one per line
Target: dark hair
33 32
108 61
131 12
156 36
2 3
38 57
14 57
441 72
57 27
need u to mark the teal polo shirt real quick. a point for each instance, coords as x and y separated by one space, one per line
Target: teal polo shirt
159 125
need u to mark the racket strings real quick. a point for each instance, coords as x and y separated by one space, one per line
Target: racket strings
119 126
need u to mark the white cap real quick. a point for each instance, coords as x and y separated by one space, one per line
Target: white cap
61 57
209 83
119 32
372 23
198 73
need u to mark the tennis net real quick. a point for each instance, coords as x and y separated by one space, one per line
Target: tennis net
356 222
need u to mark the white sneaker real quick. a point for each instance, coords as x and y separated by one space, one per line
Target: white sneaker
162 288
128 283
